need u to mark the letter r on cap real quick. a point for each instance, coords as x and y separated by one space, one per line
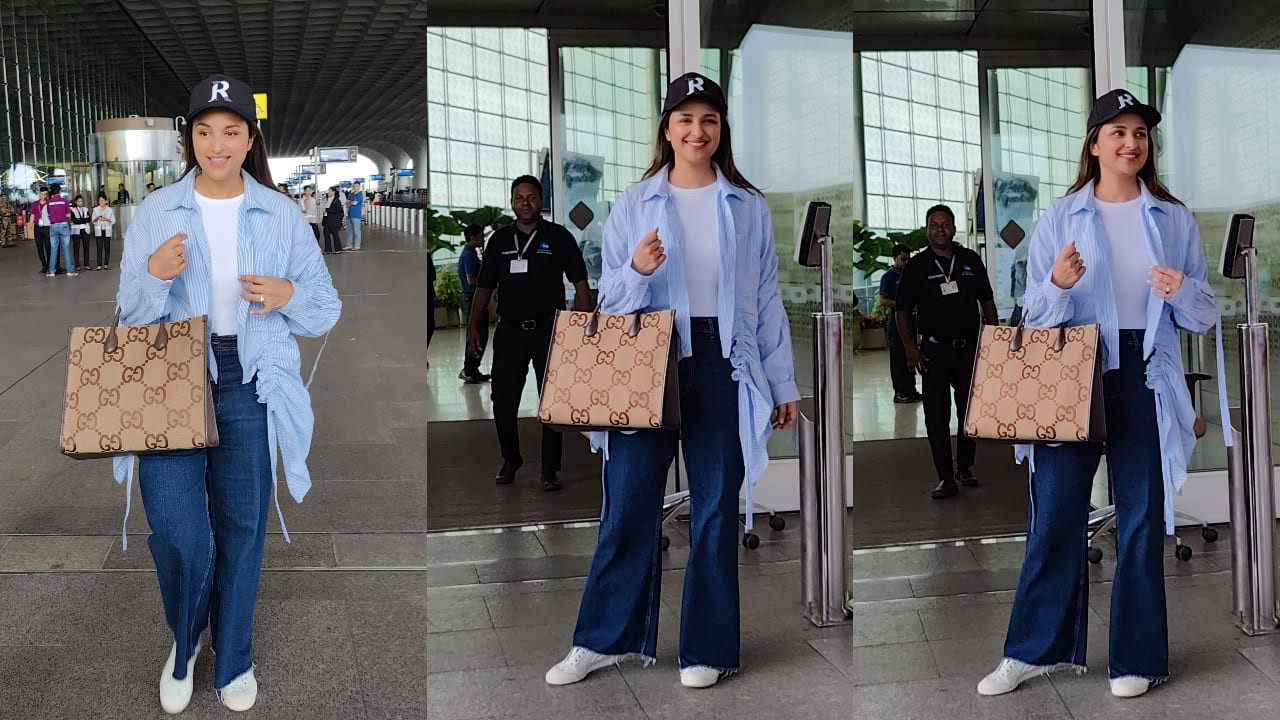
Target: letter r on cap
220 87
695 86
1126 100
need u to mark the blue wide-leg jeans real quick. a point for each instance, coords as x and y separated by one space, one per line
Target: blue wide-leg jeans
208 514
619 611
1050 610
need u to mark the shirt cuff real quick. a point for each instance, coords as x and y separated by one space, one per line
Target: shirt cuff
784 392
296 301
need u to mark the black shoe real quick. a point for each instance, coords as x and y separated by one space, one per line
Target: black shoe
902 399
483 378
916 397
946 489
507 474
550 483
965 477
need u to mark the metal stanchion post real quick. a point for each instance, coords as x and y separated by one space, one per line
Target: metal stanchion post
811 537
1251 464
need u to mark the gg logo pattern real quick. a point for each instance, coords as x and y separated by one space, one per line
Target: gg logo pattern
610 379
1037 393
138 398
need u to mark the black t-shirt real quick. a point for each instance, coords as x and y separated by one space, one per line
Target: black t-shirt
552 254
951 316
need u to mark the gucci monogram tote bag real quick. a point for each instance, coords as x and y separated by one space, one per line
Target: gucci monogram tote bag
137 389
1037 385
612 372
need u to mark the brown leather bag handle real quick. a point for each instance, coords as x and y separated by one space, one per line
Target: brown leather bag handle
113 341
594 323
1015 342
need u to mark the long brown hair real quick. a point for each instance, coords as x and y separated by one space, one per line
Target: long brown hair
255 161
1090 170
664 156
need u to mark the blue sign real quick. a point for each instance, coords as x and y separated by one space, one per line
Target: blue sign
405 173
345 183
376 177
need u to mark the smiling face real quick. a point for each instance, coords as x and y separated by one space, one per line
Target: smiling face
102 202
693 129
221 140
1122 146
941 230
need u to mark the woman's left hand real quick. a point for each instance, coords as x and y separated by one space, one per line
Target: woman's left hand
1165 282
271 293
784 416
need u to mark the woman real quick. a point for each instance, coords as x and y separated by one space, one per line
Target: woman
1121 251
333 211
222 242
693 211
310 210
104 220
79 219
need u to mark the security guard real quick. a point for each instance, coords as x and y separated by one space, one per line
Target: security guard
527 261
945 285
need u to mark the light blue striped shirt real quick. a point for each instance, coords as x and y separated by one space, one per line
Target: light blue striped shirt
274 240
1172 239
759 345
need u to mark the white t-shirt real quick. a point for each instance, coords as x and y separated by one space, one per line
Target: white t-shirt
700 230
1130 260
221 220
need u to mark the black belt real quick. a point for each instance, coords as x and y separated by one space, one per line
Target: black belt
957 343
531 324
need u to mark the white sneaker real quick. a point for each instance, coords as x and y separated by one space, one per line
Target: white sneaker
699 676
240 694
73 273
1008 675
50 274
1129 686
579 663
176 694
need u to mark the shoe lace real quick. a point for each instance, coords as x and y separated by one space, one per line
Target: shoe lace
578 656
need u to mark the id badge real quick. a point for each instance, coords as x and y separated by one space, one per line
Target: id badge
950 288
520 267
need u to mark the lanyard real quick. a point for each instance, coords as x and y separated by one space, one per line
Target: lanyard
516 242
946 273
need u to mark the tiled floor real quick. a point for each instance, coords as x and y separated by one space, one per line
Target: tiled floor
339 627
502 610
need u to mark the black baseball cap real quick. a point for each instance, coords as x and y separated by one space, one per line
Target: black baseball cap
1121 101
694 85
222 92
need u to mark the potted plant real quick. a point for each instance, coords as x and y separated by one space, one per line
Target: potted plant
874 335
453 225
448 296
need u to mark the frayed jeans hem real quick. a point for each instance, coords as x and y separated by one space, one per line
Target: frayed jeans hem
724 671
1054 667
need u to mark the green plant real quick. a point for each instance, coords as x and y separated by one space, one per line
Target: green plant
449 287
438 228
871 250
455 223
881 312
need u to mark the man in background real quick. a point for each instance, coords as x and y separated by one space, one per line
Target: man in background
468 275
355 215
904 381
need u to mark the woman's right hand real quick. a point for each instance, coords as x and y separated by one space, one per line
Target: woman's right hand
1068 268
648 256
170 259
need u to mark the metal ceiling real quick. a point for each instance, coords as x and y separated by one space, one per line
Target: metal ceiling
337 72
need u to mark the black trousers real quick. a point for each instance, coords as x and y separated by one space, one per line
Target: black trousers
949 373
80 248
42 245
104 249
471 363
904 381
331 236
513 349
315 228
